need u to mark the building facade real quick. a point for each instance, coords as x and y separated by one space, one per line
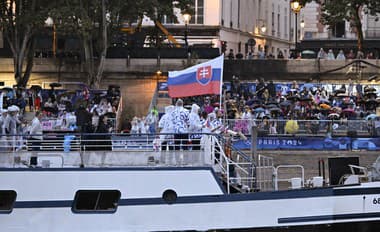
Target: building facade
268 22
314 35
231 24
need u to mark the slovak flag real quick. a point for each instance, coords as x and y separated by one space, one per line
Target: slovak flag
201 79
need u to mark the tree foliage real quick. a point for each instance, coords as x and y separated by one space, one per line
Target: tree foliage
19 21
335 11
93 21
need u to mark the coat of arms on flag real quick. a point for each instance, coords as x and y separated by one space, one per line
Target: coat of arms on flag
204 75
201 79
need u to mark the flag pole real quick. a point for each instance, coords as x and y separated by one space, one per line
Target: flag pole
221 83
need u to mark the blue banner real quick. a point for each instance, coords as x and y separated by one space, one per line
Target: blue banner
132 143
145 142
370 144
311 143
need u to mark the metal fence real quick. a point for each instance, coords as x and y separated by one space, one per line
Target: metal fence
273 127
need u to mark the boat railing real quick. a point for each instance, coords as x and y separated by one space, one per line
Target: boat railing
237 173
265 173
295 175
277 127
99 150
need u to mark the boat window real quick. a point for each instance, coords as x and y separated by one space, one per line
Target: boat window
92 201
7 200
169 196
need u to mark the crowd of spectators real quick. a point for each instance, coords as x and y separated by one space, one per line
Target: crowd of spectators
300 101
269 103
328 54
83 111
79 110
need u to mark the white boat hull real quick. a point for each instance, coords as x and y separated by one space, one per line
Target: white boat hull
45 198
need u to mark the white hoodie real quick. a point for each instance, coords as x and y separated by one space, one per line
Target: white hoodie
195 124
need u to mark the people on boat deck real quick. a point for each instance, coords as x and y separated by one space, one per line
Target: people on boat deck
11 124
195 127
166 127
180 117
35 131
103 140
3 138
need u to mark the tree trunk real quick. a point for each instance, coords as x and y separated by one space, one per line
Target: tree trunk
29 64
359 31
88 59
103 54
21 48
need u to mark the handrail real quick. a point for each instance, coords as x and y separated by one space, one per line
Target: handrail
288 179
119 114
240 152
306 127
229 167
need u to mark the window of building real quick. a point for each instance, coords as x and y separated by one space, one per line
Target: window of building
92 201
338 30
278 26
286 22
198 10
273 27
7 200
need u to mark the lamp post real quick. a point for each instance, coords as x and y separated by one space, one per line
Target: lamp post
187 18
261 26
158 76
50 23
296 6
302 24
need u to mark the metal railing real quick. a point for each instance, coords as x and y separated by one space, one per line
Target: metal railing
276 127
289 179
236 173
94 150
265 173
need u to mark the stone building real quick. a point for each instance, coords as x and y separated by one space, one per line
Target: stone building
314 35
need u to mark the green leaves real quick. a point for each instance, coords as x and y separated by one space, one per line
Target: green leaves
335 11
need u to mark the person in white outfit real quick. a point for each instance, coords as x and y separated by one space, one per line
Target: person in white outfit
36 133
215 123
166 127
330 55
180 118
195 127
3 137
321 54
11 124
135 126
341 55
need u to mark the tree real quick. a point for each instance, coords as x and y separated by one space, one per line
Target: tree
335 11
19 21
95 21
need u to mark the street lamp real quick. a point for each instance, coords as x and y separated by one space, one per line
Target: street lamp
158 75
50 23
302 23
296 6
263 28
187 18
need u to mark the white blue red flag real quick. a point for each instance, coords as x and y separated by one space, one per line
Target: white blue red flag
201 79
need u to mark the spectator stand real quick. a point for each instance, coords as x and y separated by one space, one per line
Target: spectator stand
60 104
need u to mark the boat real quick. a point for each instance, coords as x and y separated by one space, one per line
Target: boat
134 185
